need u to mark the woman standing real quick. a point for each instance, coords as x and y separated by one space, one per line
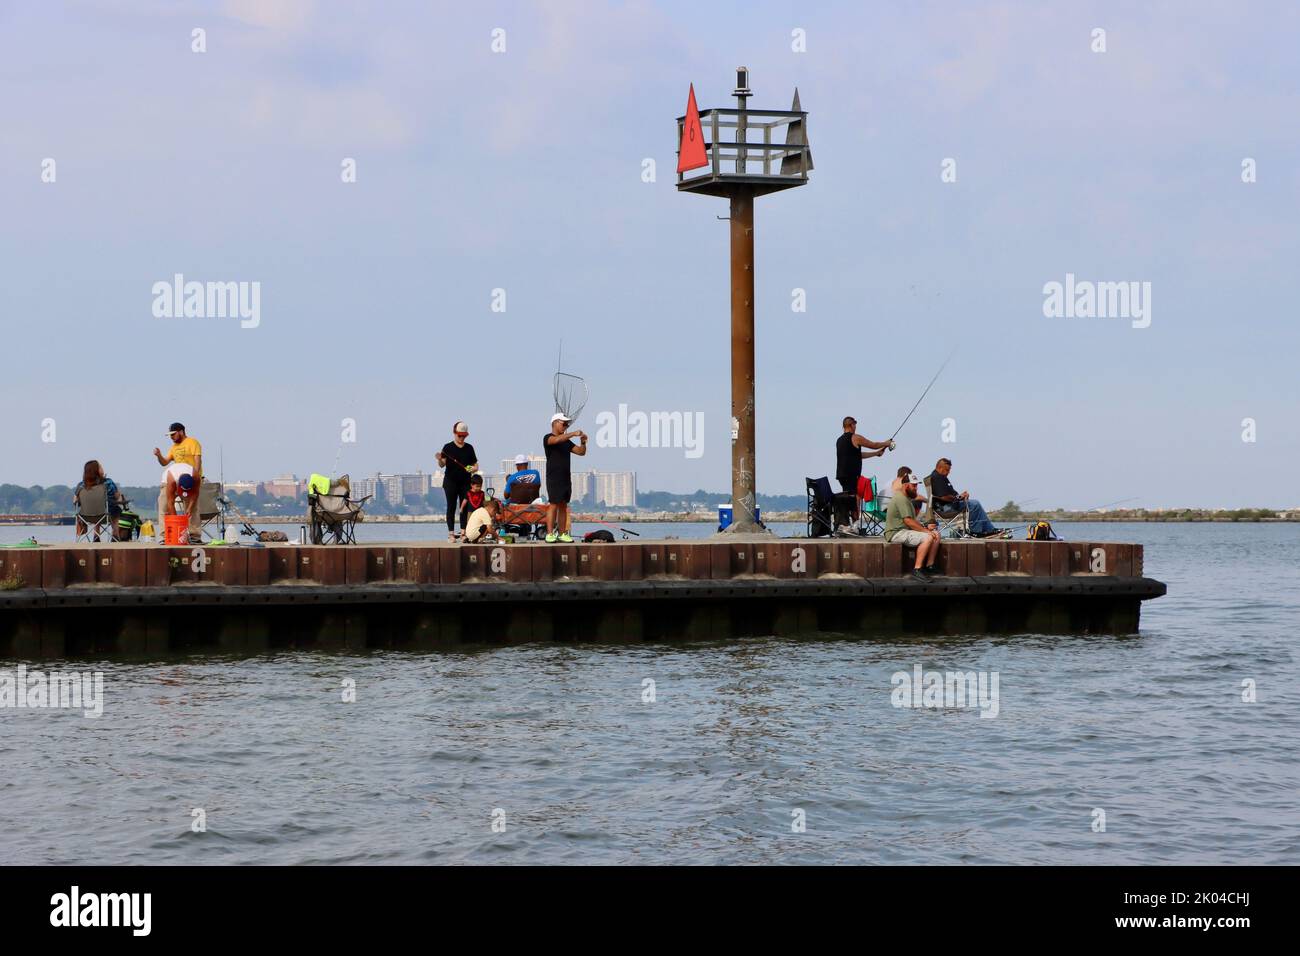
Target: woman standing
459 464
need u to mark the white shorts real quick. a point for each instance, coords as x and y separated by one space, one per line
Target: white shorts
909 538
176 469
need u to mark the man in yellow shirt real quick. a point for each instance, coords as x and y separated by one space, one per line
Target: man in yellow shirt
184 451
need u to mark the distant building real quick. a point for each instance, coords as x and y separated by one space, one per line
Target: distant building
243 487
394 489
615 488
580 482
285 486
362 487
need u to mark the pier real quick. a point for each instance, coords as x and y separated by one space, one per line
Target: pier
131 599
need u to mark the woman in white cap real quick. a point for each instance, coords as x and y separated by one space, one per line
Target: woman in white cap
459 464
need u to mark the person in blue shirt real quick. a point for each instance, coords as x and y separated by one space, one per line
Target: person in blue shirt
523 475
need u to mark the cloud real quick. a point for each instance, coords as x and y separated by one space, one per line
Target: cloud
278 15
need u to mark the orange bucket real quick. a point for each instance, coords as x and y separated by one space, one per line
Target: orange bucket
176 529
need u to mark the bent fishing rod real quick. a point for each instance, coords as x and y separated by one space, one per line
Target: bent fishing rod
923 394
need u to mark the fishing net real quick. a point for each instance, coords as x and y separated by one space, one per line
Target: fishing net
570 395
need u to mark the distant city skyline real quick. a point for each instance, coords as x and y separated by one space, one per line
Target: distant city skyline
617 489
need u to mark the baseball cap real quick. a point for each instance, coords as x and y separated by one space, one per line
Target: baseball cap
912 480
175 427
460 428
560 417
521 459
186 481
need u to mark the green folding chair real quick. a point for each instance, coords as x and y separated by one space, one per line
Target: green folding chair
871 516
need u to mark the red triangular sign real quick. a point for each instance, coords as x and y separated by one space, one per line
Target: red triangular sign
690 151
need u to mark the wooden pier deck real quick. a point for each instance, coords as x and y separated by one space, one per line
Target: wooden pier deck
139 598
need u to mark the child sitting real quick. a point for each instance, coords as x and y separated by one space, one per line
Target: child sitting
482 523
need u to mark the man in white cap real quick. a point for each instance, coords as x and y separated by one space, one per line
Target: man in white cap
525 477
901 527
558 446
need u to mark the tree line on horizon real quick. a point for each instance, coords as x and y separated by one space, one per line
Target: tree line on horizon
57 500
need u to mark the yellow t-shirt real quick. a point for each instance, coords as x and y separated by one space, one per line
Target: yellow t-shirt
187 452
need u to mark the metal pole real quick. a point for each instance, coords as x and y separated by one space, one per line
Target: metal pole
742 126
743 465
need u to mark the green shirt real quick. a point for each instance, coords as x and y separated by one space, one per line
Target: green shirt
900 508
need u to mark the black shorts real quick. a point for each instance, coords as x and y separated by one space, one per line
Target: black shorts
558 491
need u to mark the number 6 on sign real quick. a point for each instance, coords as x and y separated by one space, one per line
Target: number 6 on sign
690 152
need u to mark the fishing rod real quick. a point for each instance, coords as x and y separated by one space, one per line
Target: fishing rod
466 467
248 527
923 394
1110 504
620 527
1019 504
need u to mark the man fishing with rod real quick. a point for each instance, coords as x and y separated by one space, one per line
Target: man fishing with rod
941 488
848 447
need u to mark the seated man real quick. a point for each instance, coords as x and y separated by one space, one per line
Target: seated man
525 484
947 501
901 527
482 523
896 486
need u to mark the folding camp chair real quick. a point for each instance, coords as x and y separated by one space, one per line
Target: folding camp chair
332 515
93 518
871 509
821 520
953 523
211 514
524 493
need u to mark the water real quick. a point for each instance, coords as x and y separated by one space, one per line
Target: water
1150 729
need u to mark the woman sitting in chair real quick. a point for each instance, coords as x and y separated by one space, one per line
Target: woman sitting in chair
93 474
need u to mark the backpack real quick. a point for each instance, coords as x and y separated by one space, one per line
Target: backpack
1041 531
600 535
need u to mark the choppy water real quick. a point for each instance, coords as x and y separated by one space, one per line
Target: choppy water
1152 730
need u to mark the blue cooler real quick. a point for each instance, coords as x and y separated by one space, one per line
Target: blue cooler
725 516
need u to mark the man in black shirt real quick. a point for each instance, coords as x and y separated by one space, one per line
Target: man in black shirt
945 498
558 446
848 455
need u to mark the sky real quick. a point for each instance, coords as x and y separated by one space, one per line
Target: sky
522 170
